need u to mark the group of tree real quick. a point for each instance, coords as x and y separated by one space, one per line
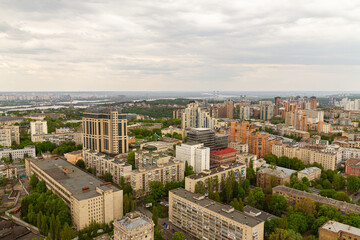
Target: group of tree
48 146
54 123
47 211
92 231
292 163
277 120
129 203
174 135
153 112
131 159
189 170
165 123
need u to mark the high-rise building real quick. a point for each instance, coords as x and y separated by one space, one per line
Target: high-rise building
260 143
244 113
195 154
226 109
313 103
195 117
266 111
89 199
134 225
105 131
239 131
38 127
202 135
206 219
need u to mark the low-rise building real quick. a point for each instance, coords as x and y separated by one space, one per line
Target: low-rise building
16 154
226 156
273 175
352 167
239 147
310 173
216 174
5 120
258 213
88 198
158 146
246 158
332 230
73 157
206 219
8 172
293 196
133 225
58 138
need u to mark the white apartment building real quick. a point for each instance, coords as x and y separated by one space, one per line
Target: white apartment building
195 154
38 127
28 151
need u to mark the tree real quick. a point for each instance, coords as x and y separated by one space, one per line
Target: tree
66 233
353 183
251 176
41 187
339 181
178 236
157 234
297 222
188 169
33 181
200 187
274 181
108 177
306 206
157 189
278 204
80 163
318 223
237 204
327 184
256 197
246 185
155 215
279 234
131 159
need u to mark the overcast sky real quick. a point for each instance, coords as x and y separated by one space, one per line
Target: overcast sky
82 45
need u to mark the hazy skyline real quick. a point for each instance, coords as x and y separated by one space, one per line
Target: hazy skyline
50 45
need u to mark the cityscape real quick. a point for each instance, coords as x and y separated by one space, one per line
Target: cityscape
179 120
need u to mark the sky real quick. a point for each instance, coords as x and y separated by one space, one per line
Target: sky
167 45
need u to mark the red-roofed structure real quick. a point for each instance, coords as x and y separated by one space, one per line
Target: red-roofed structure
220 157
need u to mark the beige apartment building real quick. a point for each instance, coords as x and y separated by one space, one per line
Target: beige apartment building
105 131
293 196
216 174
134 225
273 175
166 170
88 198
307 155
8 135
206 219
332 230
103 163
310 173
239 147
58 138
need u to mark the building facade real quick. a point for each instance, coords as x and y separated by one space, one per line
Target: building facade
225 156
310 173
195 154
260 143
59 138
273 176
16 154
332 230
352 167
38 127
206 219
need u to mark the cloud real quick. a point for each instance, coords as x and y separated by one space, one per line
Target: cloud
179 45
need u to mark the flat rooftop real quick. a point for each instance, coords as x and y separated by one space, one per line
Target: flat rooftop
258 213
134 220
207 173
310 170
278 171
74 180
218 208
336 227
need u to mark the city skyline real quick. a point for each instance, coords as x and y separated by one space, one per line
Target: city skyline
168 45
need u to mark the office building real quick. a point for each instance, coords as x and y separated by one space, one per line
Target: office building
225 156
352 167
332 230
38 127
206 219
293 196
273 176
310 173
221 141
16 154
88 198
216 174
134 225
105 131
202 135
260 143
195 154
